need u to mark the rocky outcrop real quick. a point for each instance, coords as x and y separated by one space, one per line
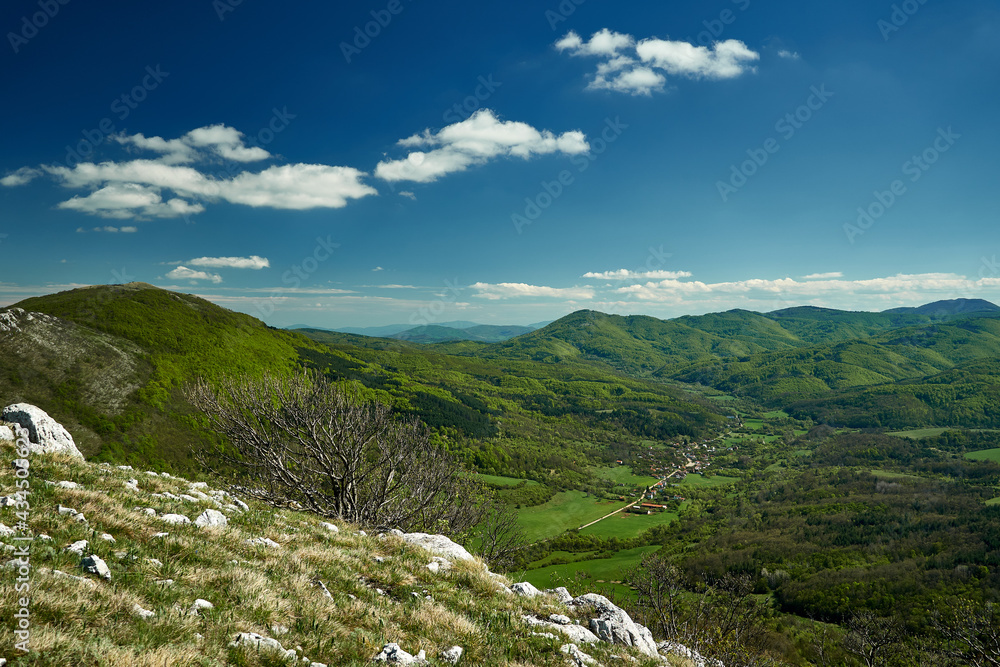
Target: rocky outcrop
612 624
392 654
437 544
45 434
211 519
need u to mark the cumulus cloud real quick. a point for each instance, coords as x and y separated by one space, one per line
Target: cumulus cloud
639 67
109 229
823 276
513 290
184 273
789 55
22 176
475 141
178 181
218 140
254 262
625 274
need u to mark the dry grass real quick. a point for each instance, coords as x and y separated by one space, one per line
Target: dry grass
252 588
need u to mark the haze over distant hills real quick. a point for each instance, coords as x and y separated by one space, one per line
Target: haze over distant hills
437 333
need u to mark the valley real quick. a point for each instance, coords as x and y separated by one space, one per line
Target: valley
842 462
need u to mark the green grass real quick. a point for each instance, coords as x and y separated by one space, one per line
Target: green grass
888 474
993 501
918 433
802 452
504 481
776 414
985 455
601 569
623 475
566 510
755 424
626 524
715 480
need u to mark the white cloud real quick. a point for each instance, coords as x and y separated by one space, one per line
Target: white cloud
724 60
22 176
789 55
514 290
252 262
638 68
218 140
130 200
378 268
601 43
407 194
137 188
474 141
823 276
184 273
625 274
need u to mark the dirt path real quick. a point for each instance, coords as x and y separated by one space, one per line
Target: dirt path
639 499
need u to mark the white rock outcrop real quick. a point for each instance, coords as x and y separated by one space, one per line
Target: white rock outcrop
575 633
6 433
45 434
263 542
211 519
392 654
175 518
439 545
612 624
525 589
96 565
452 655
255 641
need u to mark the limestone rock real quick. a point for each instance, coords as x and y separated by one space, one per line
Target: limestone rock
697 659
175 518
6 531
96 565
576 656
329 526
576 633
78 547
525 590
612 624
6 433
560 594
439 545
452 655
263 542
198 605
142 613
255 641
107 537
211 519
393 655
45 434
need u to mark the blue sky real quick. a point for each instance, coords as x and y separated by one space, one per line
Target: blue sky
357 164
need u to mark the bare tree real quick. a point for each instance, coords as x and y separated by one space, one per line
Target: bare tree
303 439
871 638
970 632
722 619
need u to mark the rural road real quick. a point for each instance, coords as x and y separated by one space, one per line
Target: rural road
639 499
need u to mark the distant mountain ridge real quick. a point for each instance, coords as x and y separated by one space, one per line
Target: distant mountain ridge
459 330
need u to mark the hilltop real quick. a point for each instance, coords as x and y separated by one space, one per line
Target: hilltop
144 568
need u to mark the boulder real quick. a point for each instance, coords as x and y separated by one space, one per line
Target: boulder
438 545
329 526
577 657
452 655
45 434
198 605
525 590
612 624
263 542
576 633
6 433
560 594
96 565
211 519
255 641
175 518
393 655
77 547
142 613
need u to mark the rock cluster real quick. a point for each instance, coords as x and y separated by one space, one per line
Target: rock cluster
45 434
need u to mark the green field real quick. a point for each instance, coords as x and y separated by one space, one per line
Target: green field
623 475
566 510
888 474
695 479
503 481
802 452
993 501
776 414
985 455
601 569
918 433
755 424
625 524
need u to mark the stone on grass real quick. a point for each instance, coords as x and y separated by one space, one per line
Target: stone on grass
77 547
68 485
198 605
6 531
45 434
107 537
142 613
211 519
6 433
263 542
438 545
560 594
577 657
252 640
66 511
612 624
175 518
392 654
576 633
329 526
96 565
452 655
525 590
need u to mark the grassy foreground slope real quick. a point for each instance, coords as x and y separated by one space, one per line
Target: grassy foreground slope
380 588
